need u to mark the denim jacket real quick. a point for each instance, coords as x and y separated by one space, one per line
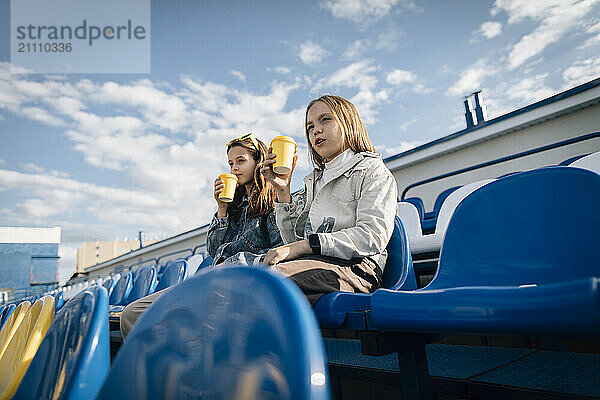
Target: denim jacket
242 239
353 213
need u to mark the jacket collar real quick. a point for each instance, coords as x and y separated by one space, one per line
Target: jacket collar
316 173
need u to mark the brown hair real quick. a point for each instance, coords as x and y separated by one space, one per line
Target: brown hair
262 193
354 132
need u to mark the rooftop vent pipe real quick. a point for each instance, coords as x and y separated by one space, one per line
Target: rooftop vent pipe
468 114
479 110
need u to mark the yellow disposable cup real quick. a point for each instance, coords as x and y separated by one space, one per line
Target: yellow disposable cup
230 181
284 148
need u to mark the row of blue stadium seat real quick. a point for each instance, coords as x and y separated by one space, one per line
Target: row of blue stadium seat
426 229
240 332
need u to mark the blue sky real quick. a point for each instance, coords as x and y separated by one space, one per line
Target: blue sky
106 155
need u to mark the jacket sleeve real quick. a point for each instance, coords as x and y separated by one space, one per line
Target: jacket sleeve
274 235
287 215
216 234
375 213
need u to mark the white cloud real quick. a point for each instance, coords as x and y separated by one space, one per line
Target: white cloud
420 88
530 90
472 78
30 167
593 29
239 75
554 18
400 76
581 72
404 126
168 144
279 70
490 29
311 52
388 41
401 147
357 49
359 75
356 75
403 78
363 10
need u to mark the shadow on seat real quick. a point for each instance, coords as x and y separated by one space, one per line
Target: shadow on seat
231 332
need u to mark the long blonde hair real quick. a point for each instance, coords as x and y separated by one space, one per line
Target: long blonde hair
354 132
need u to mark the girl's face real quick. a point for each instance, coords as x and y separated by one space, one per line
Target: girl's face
241 164
324 132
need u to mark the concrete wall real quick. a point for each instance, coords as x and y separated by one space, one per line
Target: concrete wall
568 126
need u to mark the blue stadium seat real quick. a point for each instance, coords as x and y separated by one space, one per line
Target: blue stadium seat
513 261
74 358
433 242
418 203
334 310
6 311
121 290
207 262
59 301
109 283
143 285
230 332
172 275
430 218
194 262
590 162
569 160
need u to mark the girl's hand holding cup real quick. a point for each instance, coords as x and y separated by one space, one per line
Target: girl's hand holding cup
225 186
279 165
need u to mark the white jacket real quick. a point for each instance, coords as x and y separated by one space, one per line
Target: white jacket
353 213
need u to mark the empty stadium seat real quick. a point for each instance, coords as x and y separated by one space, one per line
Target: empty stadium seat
143 285
207 262
512 261
12 324
194 262
121 290
569 160
108 284
333 309
433 242
231 332
6 311
23 344
59 300
74 358
590 162
173 274
418 203
430 218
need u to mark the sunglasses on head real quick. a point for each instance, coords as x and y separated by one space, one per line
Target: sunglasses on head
244 137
